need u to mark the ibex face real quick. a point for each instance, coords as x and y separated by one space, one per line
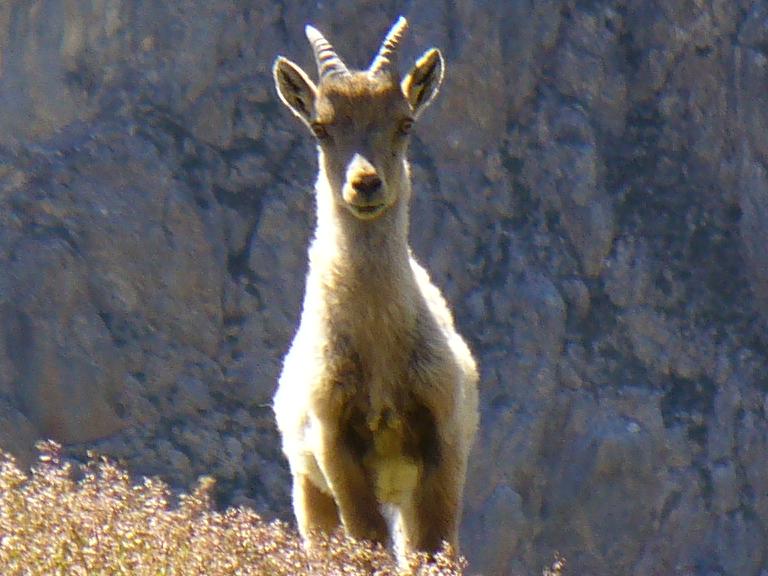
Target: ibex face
361 119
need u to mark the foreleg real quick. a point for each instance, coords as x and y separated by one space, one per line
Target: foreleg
352 488
316 511
434 512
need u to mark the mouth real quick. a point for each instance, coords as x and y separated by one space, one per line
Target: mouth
367 212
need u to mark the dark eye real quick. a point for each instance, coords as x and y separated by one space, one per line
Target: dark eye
319 130
405 126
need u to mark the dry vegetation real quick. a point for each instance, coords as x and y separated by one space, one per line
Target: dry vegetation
93 520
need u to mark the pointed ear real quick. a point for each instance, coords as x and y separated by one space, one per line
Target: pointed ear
295 88
422 83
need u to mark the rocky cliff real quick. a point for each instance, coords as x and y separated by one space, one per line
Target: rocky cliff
591 194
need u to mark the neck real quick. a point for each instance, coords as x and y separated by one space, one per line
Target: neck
369 260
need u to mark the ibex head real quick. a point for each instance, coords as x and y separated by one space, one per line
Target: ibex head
361 119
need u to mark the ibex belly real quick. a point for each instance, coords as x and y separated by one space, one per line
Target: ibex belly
396 441
387 424
395 473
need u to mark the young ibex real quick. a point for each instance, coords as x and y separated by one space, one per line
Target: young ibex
377 402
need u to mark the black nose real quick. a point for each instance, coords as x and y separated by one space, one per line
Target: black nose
367 184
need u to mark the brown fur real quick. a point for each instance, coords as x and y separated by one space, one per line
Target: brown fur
377 402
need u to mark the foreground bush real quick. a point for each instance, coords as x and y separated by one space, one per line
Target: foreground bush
102 524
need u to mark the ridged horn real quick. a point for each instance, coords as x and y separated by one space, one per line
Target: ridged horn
385 59
328 62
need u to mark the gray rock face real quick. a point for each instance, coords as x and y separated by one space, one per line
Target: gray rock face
591 194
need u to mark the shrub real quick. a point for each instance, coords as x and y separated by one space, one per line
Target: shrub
93 520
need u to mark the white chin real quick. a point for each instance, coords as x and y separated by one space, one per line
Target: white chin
367 212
